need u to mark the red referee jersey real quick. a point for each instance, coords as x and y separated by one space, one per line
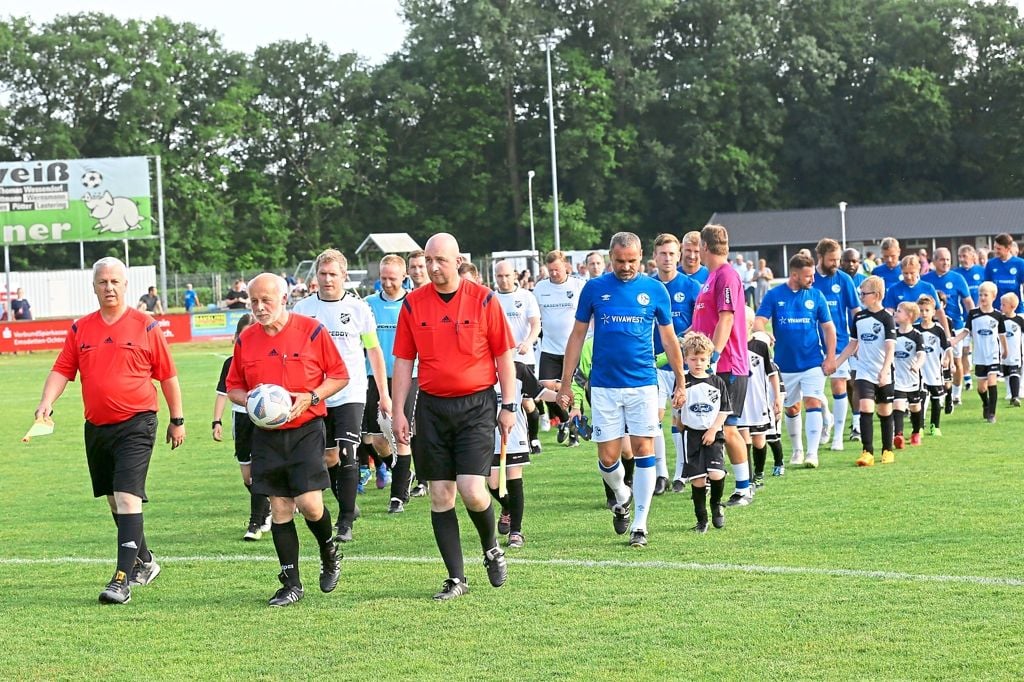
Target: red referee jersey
118 363
298 358
456 341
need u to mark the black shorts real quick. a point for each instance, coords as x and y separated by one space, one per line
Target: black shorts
343 424
241 429
982 371
935 391
912 397
512 459
550 366
737 384
454 436
700 458
119 454
370 423
289 462
867 390
1010 370
760 428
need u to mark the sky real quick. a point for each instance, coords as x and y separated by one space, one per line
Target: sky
371 28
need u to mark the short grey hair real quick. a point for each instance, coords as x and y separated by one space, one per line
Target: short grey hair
281 282
626 240
109 262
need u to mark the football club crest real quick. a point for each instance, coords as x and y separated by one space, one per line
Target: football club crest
643 299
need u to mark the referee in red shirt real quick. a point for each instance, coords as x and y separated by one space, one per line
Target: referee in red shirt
119 351
297 353
457 329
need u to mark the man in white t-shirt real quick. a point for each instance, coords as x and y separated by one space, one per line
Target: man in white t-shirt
557 296
353 329
523 317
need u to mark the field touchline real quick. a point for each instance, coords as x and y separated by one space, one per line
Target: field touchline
1000 581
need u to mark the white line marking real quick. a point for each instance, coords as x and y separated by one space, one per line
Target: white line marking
583 563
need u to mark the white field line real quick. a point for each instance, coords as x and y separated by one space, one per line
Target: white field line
593 564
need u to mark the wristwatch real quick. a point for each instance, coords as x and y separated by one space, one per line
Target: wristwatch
314 399
178 421
511 407
216 422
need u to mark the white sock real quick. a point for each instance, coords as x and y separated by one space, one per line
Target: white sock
615 477
814 422
957 391
677 440
741 472
794 427
661 466
644 477
840 406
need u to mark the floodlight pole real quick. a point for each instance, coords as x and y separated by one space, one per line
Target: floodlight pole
160 224
7 283
842 220
529 193
554 158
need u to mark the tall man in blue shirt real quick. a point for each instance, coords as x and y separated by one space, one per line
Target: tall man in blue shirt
958 303
910 287
625 306
974 273
805 350
1005 270
889 267
690 264
841 294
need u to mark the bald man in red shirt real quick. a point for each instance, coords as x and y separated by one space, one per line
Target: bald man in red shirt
119 351
457 330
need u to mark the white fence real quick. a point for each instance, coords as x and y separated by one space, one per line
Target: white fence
68 293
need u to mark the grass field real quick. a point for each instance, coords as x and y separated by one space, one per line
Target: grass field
913 571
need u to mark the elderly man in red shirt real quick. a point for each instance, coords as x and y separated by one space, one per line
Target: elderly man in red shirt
297 353
457 330
119 351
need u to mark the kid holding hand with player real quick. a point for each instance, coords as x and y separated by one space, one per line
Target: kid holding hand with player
908 359
1014 324
938 361
987 328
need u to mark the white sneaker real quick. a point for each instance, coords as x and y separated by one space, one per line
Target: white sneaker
545 423
826 431
798 458
811 461
265 528
837 444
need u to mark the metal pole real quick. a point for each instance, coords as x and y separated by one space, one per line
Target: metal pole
7 282
160 223
81 255
554 158
842 218
127 256
529 193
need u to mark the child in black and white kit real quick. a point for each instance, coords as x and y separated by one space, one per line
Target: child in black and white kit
1014 324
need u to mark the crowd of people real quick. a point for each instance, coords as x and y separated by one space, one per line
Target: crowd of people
444 386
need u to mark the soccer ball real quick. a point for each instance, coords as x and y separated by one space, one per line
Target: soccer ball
268 406
92 179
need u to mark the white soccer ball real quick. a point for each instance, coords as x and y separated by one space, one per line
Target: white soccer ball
268 406
92 179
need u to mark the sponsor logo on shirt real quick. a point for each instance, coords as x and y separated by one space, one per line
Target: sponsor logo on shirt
629 319
794 320
605 297
702 408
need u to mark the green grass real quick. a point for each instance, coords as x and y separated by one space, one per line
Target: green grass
721 606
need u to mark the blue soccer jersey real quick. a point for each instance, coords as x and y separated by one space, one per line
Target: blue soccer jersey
974 275
858 278
624 313
700 276
796 317
900 292
682 294
889 275
386 314
954 286
841 293
1008 276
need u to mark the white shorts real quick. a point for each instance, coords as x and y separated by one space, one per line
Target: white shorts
618 409
963 344
842 371
666 386
807 384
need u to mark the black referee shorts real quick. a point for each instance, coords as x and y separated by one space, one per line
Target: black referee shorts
454 436
119 454
242 429
289 462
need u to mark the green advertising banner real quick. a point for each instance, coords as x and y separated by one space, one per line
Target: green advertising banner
49 202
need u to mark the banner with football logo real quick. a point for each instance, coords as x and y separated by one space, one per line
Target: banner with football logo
49 202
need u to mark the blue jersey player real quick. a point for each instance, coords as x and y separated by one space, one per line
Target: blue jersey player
959 302
625 305
1005 270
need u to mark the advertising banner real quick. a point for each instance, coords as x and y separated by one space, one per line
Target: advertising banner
19 337
49 202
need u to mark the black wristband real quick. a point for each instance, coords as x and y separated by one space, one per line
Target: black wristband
216 422
178 421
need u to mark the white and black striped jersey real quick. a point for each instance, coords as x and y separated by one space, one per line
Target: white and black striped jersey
872 330
935 344
985 329
519 438
706 397
1014 340
908 345
520 306
757 404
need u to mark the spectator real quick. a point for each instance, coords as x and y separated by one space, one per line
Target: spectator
763 277
922 255
20 307
652 268
748 276
238 297
869 262
595 265
150 302
191 298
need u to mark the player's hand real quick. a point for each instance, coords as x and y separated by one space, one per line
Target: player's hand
300 403
218 432
384 405
523 349
778 408
709 437
506 420
175 435
575 413
400 425
829 366
564 399
679 396
43 411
